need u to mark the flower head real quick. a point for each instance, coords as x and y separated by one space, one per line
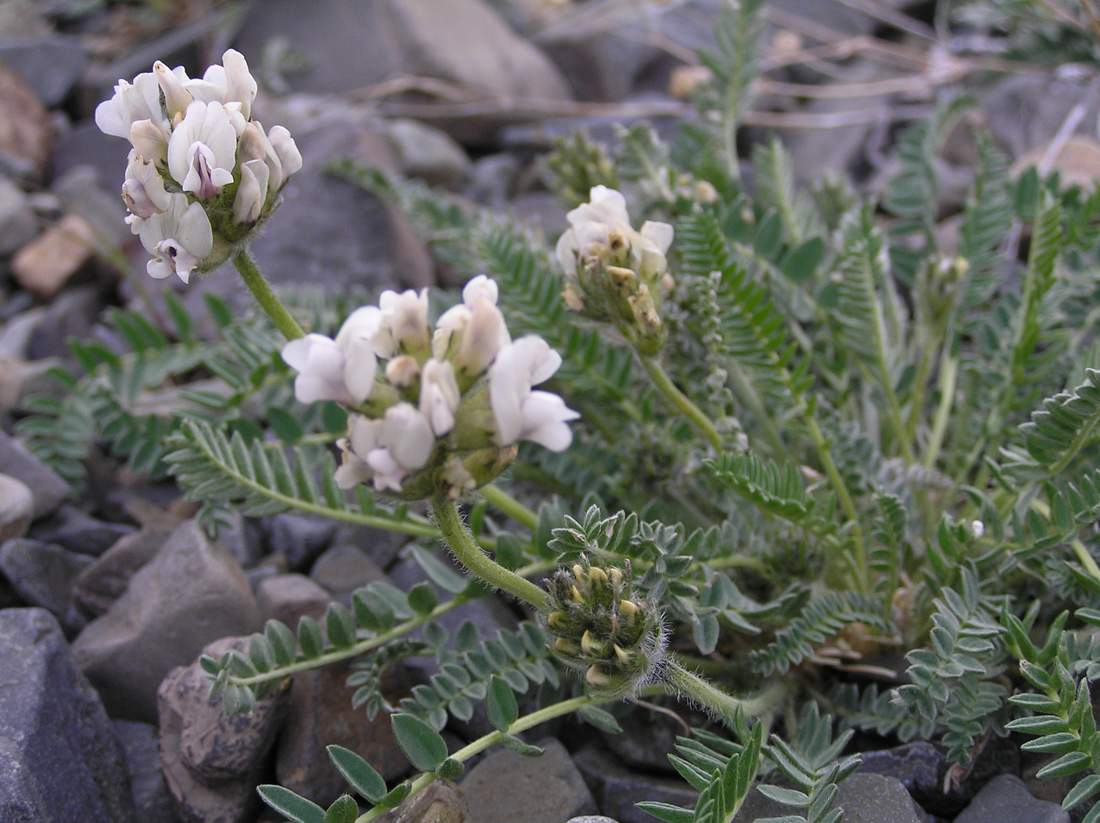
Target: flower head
604 628
196 136
446 410
614 272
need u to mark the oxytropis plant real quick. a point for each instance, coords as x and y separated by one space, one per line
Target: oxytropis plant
770 434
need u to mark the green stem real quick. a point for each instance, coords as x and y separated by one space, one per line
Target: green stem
261 290
691 686
826 457
949 375
508 505
475 561
681 401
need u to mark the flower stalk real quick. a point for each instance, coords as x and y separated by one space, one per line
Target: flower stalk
680 401
479 564
261 290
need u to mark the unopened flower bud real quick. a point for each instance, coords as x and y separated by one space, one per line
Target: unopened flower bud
402 371
176 97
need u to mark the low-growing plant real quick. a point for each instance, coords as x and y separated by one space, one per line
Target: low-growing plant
779 436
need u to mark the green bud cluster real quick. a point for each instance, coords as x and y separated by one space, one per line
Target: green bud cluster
601 627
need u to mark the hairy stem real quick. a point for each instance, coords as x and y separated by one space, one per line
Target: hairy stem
475 561
680 400
508 505
694 688
261 290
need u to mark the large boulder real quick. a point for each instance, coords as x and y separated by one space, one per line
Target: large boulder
1007 800
105 580
59 759
353 44
192 593
321 714
506 787
212 761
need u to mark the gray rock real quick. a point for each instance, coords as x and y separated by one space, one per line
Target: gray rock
72 313
757 806
646 740
506 787
380 545
105 580
439 803
93 193
50 65
299 538
46 486
617 790
872 798
918 765
428 153
152 801
350 45
85 146
1024 112
320 714
343 569
16 507
1005 799
79 532
289 597
591 818
18 224
243 539
212 761
43 575
491 179
59 759
189 595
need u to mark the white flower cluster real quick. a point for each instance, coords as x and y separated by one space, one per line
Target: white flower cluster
447 407
614 272
201 168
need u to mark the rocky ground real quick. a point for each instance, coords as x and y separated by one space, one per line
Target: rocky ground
107 597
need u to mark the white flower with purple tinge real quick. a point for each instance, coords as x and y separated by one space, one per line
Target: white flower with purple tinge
178 239
196 135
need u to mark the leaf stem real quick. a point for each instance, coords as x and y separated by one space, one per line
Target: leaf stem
475 561
508 505
261 290
680 400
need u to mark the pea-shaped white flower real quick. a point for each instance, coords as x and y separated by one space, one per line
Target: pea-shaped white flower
343 369
178 239
230 82
519 412
202 150
439 395
473 332
405 318
131 103
143 191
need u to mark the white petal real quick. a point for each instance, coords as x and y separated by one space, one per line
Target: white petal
660 234
566 251
286 149
360 365
365 435
408 436
240 85
439 395
480 287
545 418
296 352
194 231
